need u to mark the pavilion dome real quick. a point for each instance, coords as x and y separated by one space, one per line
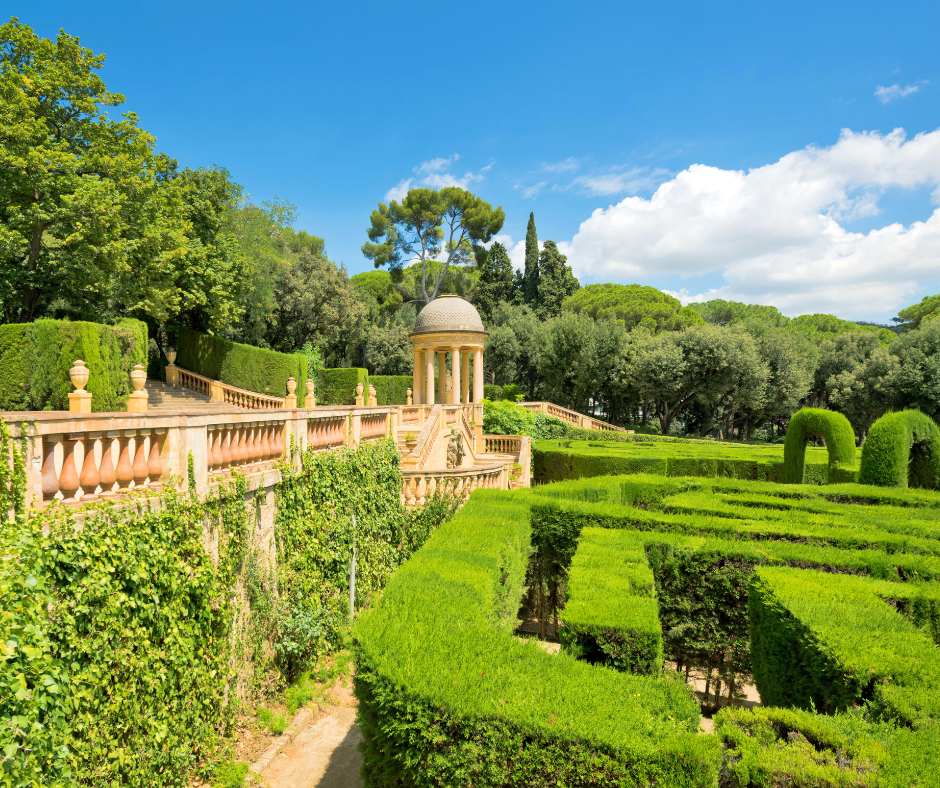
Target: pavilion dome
448 313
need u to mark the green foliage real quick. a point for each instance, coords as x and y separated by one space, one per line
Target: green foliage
834 429
445 690
95 223
917 377
245 367
635 306
391 389
604 454
902 449
497 279
35 360
556 281
428 224
827 642
510 392
274 722
314 365
338 386
530 274
492 392
389 350
924 312
726 313
505 417
611 610
703 611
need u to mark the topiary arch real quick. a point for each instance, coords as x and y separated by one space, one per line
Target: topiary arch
902 450
834 428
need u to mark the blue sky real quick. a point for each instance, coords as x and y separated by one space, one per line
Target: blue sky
697 148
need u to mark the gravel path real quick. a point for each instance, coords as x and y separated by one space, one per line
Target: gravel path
325 753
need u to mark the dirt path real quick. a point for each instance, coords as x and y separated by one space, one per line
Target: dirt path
324 754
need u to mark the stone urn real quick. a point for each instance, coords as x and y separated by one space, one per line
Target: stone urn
359 389
309 387
291 386
79 374
408 397
138 377
171 356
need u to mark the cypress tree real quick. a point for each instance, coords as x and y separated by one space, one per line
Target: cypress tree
556 281
530 291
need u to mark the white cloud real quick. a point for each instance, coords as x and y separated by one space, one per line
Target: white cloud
632 180
532 191
433 174
892 92
774 232
571 164
435 165
399 191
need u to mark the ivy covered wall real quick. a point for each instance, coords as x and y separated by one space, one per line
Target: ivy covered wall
125 641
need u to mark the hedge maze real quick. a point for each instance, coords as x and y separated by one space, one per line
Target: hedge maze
825 597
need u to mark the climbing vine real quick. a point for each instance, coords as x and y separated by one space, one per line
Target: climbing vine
125 628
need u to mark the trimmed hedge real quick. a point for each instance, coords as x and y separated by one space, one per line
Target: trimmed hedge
611 611
243 366
901 450
828 642
35 360
338 386
446 693
835 429
561 460
390 389
492 392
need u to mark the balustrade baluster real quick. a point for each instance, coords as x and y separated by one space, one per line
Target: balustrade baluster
125 470
89 478
140 459
226 433
267 449
68 477
106 473
50 479
251 443
280 444
154 463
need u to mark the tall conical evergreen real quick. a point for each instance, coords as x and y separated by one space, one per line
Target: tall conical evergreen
530 280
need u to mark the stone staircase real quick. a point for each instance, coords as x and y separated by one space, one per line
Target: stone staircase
164 399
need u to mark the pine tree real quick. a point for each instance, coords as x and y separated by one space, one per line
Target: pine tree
556 281
530 276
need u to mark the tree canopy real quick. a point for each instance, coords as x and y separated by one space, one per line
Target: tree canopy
634 305
429 224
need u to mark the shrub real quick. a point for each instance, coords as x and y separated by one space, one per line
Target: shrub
506 418
35 359
511 392
611 611
827 642
391 389
492 392
834 428
902 449
445 691
243 366
338 386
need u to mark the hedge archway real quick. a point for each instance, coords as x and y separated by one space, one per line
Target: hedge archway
833 427
902 450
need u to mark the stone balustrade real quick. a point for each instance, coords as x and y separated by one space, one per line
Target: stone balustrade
82 458
418 486
571 416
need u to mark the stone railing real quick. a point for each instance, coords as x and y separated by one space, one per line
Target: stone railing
517 446
222 392
82 458
418 457
418 486
570 416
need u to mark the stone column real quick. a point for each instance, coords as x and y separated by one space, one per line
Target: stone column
442 376
455 371
429 378
416 377
465 377
477 374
